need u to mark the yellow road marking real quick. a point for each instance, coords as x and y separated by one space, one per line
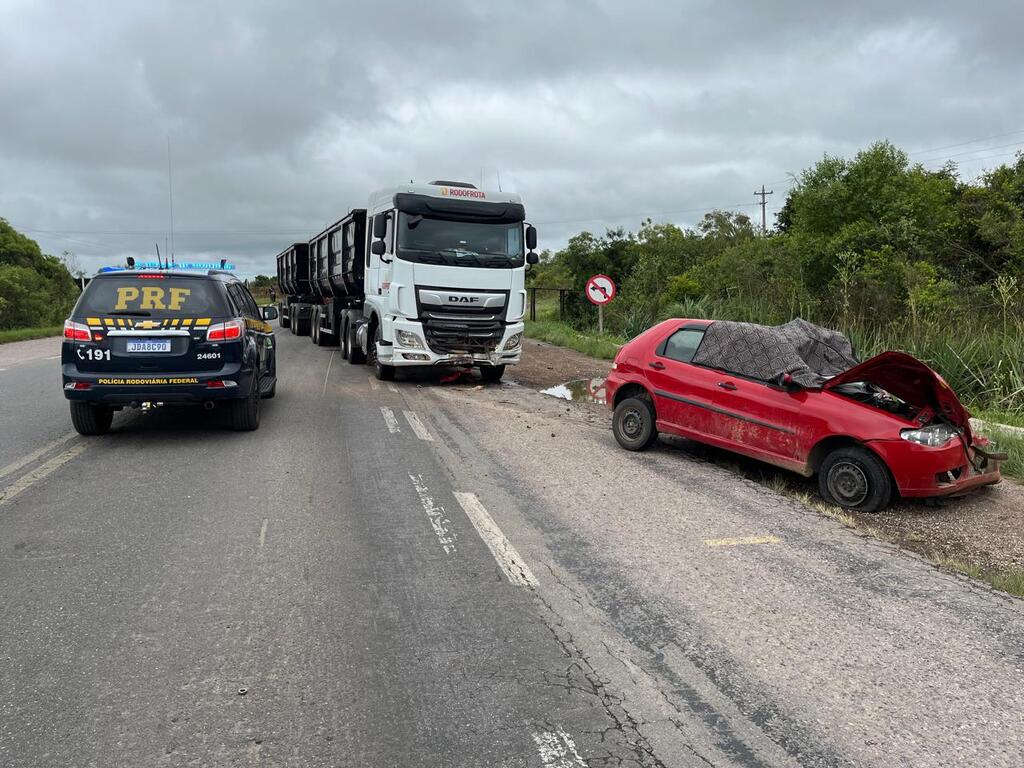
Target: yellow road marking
742 540
29 458
26 480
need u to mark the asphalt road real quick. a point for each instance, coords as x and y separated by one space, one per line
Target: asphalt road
426 575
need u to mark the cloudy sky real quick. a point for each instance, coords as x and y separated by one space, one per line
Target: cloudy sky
283 116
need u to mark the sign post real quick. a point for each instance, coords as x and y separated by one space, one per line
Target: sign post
600 290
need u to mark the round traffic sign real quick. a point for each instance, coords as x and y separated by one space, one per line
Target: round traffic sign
600 289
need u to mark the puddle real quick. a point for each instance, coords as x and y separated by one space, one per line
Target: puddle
579 391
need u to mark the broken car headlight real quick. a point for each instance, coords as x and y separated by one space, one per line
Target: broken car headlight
408 340
934 435
514 341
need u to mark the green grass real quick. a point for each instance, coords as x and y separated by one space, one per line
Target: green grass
23 334
1009 580
1014 446
1012 418
553 332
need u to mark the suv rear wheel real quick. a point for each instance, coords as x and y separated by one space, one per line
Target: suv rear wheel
91 419
855 478
245 412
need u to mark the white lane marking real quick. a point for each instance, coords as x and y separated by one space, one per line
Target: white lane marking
558 750
328 374
390 420
392 388
263 531
25 481
14 466
510 561
418 427
374 386
435 513
52 357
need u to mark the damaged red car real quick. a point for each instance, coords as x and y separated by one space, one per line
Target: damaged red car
795 396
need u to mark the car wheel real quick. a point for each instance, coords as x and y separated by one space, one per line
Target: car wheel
245 413
381 371
633 424
855 478
355 352
91 419
491 374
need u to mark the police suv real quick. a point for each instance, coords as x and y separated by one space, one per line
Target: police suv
169 336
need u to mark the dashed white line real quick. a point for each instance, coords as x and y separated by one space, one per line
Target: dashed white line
374 384
263 531
558 750
510 561
436 514
14 466
392 388
390 420
25 481
328 374
418 426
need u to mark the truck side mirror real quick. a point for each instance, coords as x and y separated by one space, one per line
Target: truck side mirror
532 258
380 226
531 239
378 247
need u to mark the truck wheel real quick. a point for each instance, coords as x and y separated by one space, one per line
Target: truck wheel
855 478
382 372
283 320
343 341
245 413
634 424
294 325
91 419
492 374
355 352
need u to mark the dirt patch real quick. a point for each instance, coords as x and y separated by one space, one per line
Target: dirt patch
545 365
983 529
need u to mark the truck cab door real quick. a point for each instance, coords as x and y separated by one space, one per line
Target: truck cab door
378 267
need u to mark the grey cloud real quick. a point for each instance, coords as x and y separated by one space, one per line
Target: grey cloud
284 116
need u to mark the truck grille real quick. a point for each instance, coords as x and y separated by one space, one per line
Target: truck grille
462 329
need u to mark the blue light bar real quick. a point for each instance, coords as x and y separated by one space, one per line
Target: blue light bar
183 265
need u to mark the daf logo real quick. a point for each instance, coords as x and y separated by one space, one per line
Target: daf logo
463 299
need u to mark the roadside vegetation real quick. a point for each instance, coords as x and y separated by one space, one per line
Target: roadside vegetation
23 334
894 255
36 290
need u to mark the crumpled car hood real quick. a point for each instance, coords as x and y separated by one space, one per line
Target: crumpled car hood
911 381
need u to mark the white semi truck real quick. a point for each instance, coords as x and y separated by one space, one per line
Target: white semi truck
427 275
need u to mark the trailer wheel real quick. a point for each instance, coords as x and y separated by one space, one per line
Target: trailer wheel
343 341
283 320
355 352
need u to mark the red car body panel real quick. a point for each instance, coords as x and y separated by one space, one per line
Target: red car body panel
785 426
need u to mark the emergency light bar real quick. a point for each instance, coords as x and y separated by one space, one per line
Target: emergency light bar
194 265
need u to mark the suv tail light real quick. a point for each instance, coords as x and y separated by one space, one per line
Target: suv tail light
76 331
226 331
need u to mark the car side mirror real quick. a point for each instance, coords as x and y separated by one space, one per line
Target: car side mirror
378 248
789 383
531 238
532 258
269 312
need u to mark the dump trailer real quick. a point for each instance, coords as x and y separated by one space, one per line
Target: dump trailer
427 275
293 280
337 258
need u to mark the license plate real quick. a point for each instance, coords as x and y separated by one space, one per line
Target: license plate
149 345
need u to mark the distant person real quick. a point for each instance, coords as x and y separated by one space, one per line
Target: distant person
273 295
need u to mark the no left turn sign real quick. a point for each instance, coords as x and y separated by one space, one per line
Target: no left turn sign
600 290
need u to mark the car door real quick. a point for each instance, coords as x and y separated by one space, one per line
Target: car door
246 306
682 391
756 417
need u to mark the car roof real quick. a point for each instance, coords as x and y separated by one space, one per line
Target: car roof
211 274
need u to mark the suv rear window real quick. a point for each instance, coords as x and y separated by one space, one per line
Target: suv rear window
156 296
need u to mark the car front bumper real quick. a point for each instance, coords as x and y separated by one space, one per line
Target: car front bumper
921 471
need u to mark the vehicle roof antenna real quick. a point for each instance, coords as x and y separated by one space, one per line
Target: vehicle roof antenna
499 179
157 254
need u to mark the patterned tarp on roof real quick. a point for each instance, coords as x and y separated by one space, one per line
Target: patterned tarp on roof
807 352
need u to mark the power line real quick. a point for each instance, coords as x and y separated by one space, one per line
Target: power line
964 143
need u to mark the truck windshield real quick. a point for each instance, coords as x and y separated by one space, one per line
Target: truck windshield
460 243
151 295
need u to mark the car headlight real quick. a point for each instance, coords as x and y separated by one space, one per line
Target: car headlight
514 341
408 339
934 435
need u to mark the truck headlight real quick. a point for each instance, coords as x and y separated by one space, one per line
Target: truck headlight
514 341
408 339
934 435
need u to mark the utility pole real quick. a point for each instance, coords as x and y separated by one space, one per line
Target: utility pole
764 206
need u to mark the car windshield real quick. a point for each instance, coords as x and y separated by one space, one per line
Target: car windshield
152 295
459 243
